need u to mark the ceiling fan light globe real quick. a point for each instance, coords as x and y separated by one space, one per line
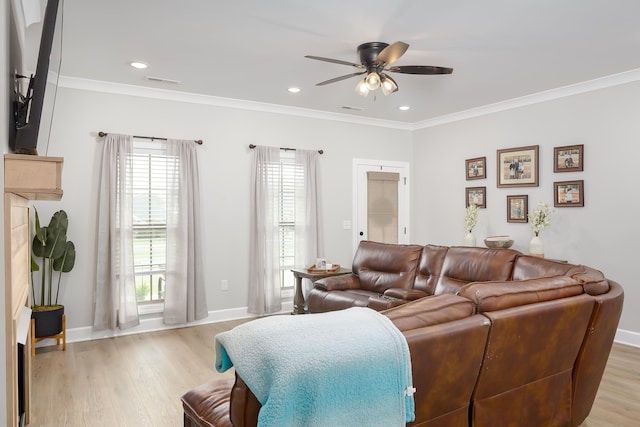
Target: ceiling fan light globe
362 88
373 81
388 85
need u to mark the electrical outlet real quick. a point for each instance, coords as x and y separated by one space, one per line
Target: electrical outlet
224 285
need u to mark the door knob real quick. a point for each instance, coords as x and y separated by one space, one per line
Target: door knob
362 233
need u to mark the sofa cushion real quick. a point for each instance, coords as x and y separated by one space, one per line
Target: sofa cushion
463 265
208 404
382 302
429 268
531 267
405 294
429 311
492 296
381 266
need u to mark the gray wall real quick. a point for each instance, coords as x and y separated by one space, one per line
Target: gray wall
224 161
599 235
604 234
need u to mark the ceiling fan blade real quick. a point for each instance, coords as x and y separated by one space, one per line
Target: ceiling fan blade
337 79
335 61
420 69
392 52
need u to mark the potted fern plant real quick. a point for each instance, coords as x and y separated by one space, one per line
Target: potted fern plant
55 253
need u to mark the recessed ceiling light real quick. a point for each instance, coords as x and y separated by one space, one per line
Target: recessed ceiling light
294 89
139 65
404 108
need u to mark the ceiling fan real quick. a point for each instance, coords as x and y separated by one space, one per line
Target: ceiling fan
375 61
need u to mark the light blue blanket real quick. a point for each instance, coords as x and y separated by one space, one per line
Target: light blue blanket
343 368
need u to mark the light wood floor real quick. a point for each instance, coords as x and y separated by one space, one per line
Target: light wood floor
137 380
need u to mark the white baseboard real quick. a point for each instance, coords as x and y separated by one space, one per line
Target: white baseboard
627 338
87 333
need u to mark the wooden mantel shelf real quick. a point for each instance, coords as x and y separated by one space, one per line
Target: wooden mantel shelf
33 177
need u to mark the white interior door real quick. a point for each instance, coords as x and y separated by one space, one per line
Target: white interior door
381 201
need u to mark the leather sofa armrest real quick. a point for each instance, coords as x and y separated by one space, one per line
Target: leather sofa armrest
383 302
405 294
338 283
592 280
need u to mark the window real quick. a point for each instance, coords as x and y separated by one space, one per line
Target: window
149 177
289 172
285 227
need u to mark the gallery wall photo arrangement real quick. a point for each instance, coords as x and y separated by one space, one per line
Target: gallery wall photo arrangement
518 167
568 194
569 158
518 208
476 196
476 168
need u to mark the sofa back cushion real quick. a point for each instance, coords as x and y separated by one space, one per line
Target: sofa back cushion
430 311
531 267
381 266
429 268
493 296
463 265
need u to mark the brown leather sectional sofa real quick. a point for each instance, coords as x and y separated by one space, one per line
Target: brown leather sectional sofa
497 338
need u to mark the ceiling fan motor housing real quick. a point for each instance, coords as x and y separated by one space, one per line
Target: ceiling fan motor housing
369 52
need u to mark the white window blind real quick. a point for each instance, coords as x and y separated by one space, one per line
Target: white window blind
150 166
289 173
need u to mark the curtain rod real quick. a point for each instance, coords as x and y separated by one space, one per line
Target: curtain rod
252 146
103 134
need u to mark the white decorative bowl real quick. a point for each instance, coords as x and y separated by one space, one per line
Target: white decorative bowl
498 241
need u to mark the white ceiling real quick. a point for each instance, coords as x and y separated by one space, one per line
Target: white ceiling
254 49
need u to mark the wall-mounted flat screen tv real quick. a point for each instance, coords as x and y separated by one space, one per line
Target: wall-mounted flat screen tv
33 110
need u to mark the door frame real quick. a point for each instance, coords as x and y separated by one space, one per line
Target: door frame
403 196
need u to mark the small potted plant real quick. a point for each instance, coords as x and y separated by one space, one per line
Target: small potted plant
470 221
55 253
539 219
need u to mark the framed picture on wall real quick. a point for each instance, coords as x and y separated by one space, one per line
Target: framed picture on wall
518 167
569 158
476 168
518 208
568 194
476 196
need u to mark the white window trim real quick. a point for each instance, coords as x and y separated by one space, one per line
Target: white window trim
151 308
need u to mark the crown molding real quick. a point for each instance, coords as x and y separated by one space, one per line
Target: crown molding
194 98
561 92
170 95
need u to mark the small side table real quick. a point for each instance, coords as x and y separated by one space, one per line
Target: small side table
303 273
